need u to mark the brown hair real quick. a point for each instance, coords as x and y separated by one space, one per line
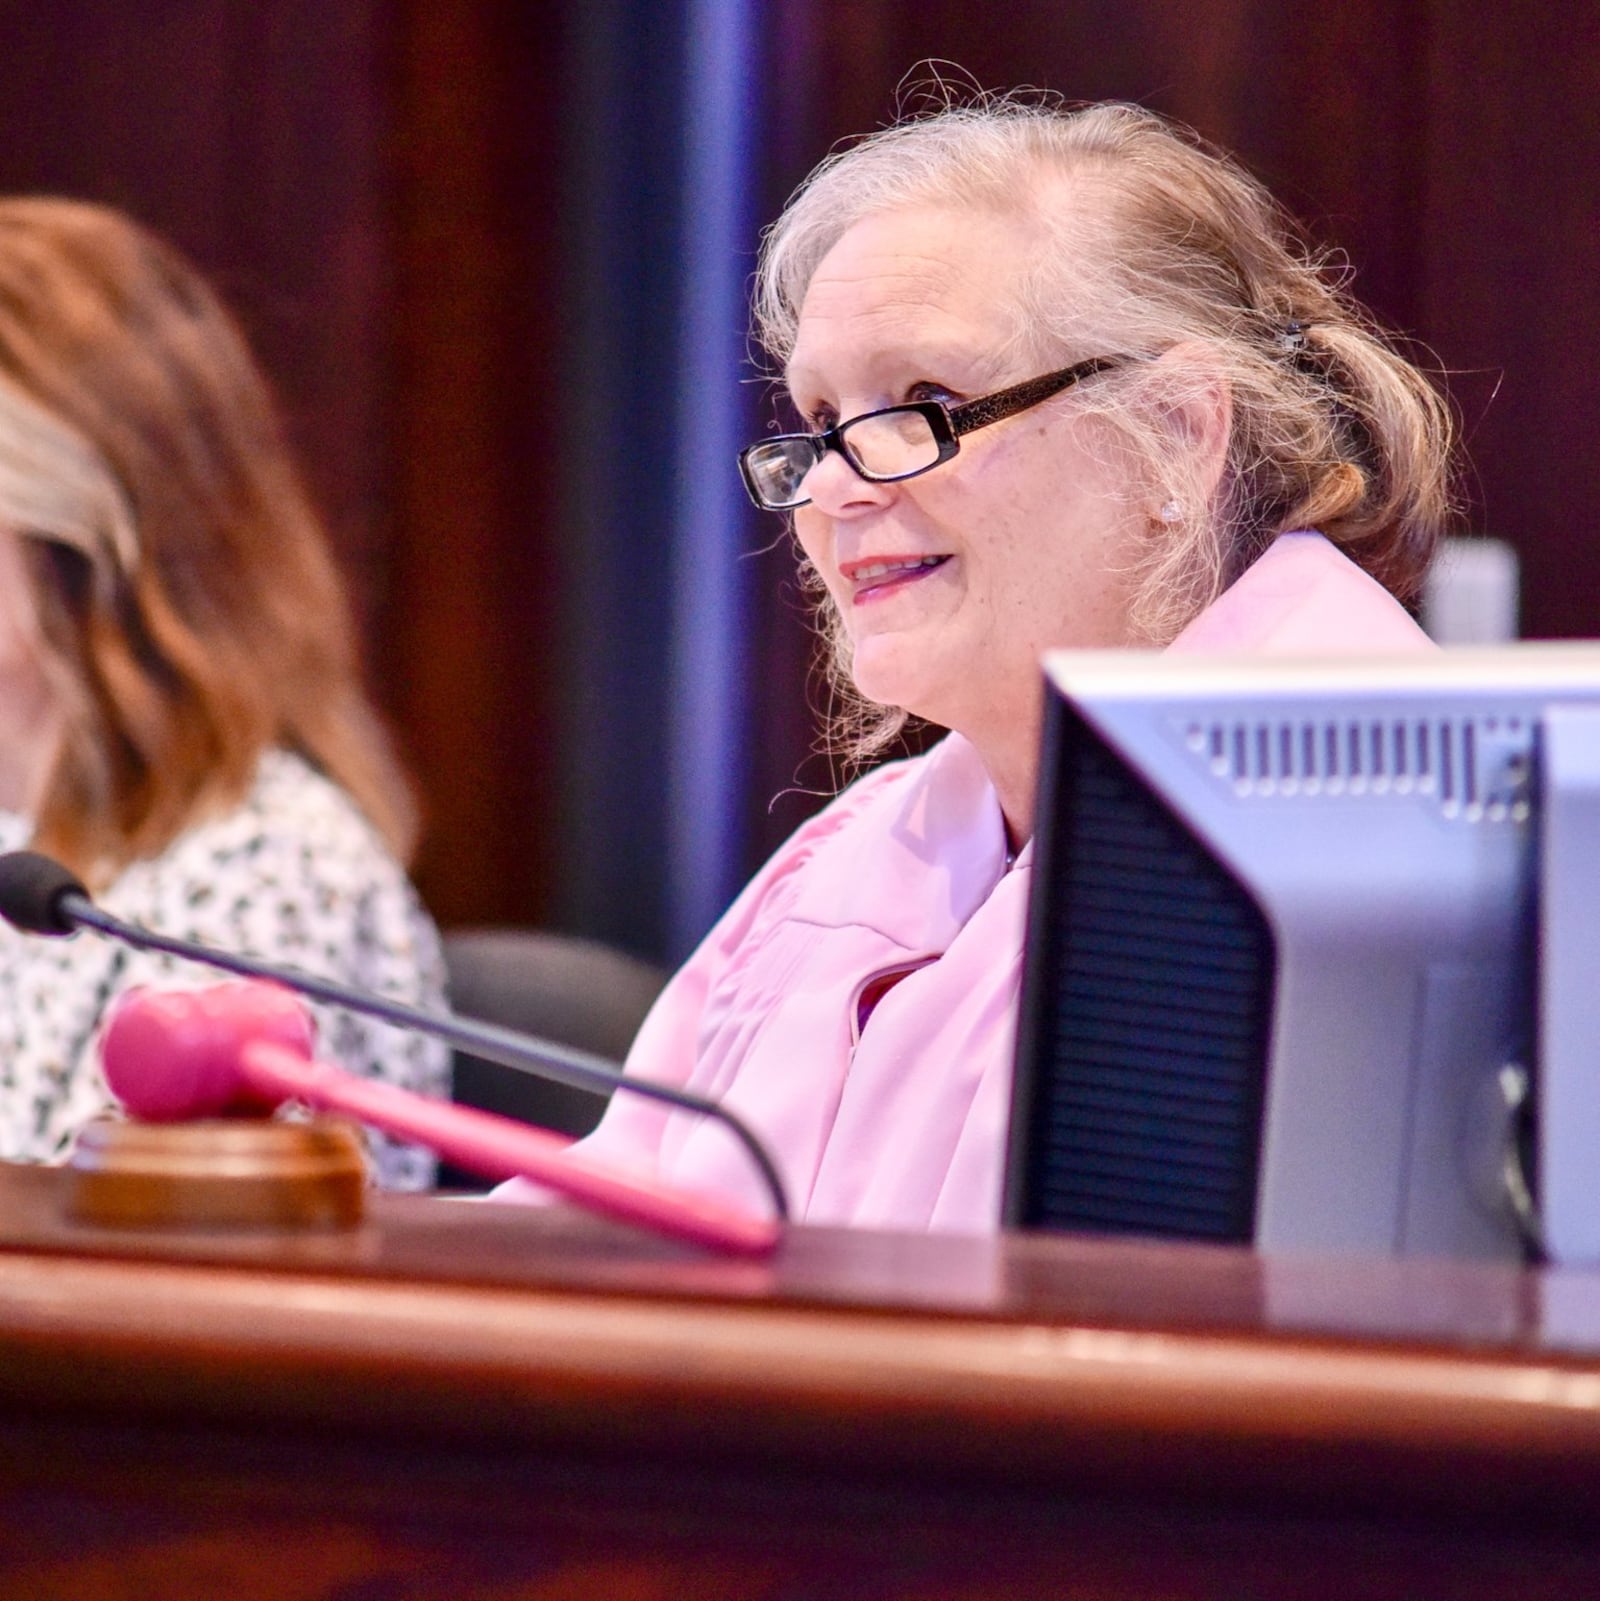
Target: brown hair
189 607
1331 427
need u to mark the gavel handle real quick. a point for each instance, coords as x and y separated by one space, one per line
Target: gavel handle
499 1148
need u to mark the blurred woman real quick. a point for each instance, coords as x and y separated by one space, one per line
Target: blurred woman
1059 378
181 715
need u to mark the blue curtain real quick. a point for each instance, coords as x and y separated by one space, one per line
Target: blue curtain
660 219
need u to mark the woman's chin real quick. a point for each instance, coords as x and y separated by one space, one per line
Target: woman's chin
883 675
887 683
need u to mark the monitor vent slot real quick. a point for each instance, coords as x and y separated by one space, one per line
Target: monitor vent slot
1470 764
1143 1038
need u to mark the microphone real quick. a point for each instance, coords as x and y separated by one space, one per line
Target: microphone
40 896
171 1056
32 888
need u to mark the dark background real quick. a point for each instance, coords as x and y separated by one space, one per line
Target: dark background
451 227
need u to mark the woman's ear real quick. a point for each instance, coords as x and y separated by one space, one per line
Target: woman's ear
1197 407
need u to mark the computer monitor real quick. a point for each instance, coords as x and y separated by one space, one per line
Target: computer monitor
1313 953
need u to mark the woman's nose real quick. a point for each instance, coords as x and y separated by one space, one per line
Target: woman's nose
835 487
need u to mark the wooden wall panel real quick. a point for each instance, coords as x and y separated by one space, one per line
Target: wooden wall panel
1511 288
1326 105
369 186
476 444
252 136
379 189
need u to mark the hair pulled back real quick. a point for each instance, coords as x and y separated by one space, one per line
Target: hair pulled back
1150 240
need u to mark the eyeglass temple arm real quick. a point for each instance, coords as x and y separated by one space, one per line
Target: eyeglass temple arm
1007 402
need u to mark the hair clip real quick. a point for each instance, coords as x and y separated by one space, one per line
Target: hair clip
1292 341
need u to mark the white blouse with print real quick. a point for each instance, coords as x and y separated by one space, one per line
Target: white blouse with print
295 874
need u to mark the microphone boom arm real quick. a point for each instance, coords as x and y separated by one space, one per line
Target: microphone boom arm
566 1064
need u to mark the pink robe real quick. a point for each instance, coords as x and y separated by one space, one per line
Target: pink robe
901 1123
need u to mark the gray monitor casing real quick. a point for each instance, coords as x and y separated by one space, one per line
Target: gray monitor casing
1422 838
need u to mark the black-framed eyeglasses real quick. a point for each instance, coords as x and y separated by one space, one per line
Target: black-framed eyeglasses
896 442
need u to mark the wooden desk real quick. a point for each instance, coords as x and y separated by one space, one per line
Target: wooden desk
474 1401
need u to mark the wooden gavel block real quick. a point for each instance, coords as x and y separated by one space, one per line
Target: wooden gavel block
217 1173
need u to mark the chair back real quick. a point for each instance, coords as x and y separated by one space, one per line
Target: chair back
557 987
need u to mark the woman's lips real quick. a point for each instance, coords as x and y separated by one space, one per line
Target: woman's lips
873 579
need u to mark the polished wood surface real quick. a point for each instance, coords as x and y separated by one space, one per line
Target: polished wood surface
228 1173
465 1399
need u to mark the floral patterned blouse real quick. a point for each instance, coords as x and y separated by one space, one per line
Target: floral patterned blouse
295 874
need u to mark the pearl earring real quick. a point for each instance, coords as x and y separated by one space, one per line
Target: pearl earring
1172 512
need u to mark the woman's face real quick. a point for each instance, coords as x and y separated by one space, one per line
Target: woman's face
29 717
19 634
952 584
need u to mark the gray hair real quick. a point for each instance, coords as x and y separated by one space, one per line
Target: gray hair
1150 239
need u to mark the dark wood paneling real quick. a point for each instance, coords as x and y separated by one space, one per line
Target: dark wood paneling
252 136
379 190
1511 294
370 187
1327 105
477 443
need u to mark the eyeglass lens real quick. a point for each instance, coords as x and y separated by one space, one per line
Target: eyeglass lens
891 444
884 444
777 468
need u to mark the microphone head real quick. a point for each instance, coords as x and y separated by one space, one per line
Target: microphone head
33 888
171 1055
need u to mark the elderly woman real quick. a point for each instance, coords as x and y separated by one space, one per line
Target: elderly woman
1062 378
181 719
